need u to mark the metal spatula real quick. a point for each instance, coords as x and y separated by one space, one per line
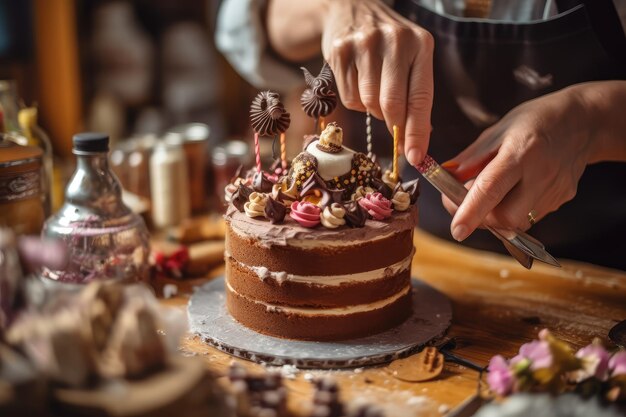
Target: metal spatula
520 245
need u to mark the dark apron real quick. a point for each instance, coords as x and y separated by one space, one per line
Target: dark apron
485 68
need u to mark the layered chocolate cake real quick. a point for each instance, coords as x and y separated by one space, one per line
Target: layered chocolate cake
319 248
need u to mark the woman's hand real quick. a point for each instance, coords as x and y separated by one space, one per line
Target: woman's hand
531 160
383 64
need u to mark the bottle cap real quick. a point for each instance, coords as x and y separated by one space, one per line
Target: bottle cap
91 142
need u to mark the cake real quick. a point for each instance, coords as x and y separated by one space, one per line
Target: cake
323 252
319 248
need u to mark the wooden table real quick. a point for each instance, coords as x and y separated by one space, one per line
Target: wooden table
497 305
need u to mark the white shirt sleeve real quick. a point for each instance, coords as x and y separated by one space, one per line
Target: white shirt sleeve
239 35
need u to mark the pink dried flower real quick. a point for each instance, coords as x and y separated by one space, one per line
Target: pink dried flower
500 376
617 363
594 363
537 353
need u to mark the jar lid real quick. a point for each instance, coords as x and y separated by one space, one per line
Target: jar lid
90 142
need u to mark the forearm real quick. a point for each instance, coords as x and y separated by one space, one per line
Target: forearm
605 105
294 28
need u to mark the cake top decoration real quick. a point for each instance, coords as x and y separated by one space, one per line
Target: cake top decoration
268 115
319 99
327 183
331 139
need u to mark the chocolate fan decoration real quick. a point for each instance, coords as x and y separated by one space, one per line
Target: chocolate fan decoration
319 98
268 115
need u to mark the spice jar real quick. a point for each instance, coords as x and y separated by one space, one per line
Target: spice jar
104 238
195 141
21 200
169 186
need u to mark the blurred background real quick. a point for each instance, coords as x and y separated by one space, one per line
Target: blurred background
139 71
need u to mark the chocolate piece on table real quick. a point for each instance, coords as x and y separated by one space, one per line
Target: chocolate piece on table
275 210
258 395
326 402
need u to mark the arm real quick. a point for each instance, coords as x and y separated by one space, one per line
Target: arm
533 158
382 62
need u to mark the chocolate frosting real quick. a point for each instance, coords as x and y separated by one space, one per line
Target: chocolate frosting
280 234
268 115
319 98
275 210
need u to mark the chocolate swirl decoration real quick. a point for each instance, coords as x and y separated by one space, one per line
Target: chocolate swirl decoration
268 115
319 98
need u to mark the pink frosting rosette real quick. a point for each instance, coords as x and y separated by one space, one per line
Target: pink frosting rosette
376 205
305 213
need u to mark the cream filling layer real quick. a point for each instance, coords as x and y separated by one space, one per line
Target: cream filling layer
335 311
334 280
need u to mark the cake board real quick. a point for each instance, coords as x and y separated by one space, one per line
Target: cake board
209 319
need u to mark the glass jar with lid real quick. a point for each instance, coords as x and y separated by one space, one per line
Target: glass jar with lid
21 204
105 239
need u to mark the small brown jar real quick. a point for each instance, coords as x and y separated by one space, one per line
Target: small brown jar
21 201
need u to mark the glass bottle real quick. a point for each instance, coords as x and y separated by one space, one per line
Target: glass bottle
105 239
20 126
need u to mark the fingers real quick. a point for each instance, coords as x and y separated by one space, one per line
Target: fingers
346 74
489 189
369 64
512 212
419 101
386 69
395 77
